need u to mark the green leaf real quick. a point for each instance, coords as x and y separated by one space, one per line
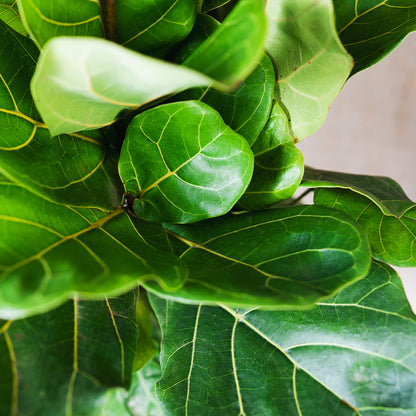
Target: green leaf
370 29
49 167
310 62
209 5
77 83
49 252
46 19
63 362
378 204
278 258
182 163
351 355
278 165
149 26
10 15
232 52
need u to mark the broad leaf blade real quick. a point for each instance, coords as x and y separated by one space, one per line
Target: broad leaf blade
378 204
49 252
310 62
341 357
278 258
50 167
77 84
371 29
182 163
64 362
9 13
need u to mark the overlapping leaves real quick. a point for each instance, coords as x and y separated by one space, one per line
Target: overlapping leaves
342 357
9 13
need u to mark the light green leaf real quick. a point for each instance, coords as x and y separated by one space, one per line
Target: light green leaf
351 355
278 258
232 52
149 26
77 83
64 362
310 62
49 252
278 165
370 29
378 204
45 19
182 163
10 15
49 167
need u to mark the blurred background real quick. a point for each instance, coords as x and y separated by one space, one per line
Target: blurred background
371 129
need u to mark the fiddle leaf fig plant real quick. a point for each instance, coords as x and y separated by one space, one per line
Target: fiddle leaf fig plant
154 259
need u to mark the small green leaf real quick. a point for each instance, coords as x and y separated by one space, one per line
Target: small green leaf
378 204
278 165
310 62
370 29
9 13
352 355
45 19
77 83
49 252
277 258
64 362
234 49
182 163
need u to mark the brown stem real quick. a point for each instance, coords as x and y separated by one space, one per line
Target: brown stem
108 16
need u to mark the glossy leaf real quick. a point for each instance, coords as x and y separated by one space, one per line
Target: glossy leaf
28 155
371 29
64 362
278 165
378 204
76 85
9 13
46 19
351 355
278 258
234 49
310 62
49 252
148 26
182 163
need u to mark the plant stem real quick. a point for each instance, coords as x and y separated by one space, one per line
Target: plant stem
108 16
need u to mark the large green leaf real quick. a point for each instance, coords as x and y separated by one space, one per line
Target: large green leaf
182 163
63 362
50 167
370 29
278 164
77 84
45 19
378 204
9 13
310 62
277 258
234 49
351 355
49 252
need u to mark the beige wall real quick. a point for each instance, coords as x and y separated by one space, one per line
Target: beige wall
371 128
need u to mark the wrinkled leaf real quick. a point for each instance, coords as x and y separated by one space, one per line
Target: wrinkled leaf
148 26
63 362
351 355
9 13
77 83
49 252
370 29
45 19
50 167
276 258
378 204
310 62
278 165
182 163
234 49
